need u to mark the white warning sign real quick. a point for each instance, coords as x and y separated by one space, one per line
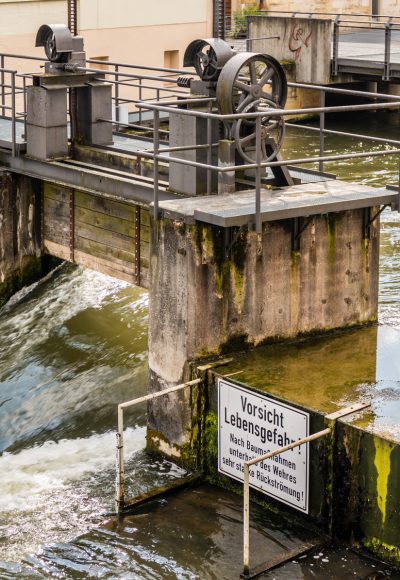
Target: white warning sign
251 425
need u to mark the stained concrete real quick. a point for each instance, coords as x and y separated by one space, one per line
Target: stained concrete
202 303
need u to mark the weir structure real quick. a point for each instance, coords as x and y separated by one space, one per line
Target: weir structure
190 198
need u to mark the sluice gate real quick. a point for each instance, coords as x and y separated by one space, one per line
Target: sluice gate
188 194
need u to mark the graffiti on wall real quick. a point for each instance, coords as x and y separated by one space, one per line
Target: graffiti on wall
298 39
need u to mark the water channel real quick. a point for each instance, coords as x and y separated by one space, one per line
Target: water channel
75 344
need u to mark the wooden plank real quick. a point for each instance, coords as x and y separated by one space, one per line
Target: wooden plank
55 208
145 217
105 267
56 192
105 222
57 250
109 253
113 208
113 239
145 233
57 231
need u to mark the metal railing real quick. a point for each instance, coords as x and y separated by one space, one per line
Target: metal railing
120 500
246 473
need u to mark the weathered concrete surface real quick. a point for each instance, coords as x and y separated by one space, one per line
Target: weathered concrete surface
20 250
203 304
302 41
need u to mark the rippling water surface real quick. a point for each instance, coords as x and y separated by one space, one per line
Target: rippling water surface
75 345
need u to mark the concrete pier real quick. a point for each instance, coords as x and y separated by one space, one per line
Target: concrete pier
216 290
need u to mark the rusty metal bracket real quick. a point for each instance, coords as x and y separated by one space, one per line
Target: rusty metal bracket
72 225
368 220
137 244
297 231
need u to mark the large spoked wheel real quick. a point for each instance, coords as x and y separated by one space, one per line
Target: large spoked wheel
208 56
249 78
272 135
50 48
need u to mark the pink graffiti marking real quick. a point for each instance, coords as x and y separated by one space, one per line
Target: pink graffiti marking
297 40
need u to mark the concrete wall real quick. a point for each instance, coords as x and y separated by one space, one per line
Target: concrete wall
20 250
203 304
304 42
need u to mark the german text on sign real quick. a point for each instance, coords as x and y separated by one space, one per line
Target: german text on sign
250 425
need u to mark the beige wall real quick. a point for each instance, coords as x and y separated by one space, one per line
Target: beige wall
391 7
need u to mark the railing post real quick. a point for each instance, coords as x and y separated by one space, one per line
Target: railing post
209 153
321 130
156 140
388 42
246 519
13 116
140 99
335 55
3 97
120 481
258 176
116 70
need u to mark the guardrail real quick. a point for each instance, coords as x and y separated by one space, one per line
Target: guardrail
120 500
246 474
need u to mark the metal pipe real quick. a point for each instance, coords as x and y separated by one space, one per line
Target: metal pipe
209 146
258 176
324 14
276 112
3 98
246 489
388 40
300 161
321 131
120 474
156 139
345 134
13 117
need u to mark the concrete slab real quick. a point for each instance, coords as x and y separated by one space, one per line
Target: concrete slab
296 201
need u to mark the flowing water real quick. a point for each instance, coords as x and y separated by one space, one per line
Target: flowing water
75 345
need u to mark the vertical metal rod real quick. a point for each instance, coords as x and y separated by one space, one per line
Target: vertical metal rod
246 519
140 98
209 153
25 103
3 97
258 176
116 70
137 244
388 40
321 131
13 116
120 483
156 140
335 52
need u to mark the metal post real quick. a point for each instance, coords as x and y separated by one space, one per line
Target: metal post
156 139
321 131
258 176
388 40
116 70
335 50
140 98
25 104
246 519
3 97
209 153
13 116
120 483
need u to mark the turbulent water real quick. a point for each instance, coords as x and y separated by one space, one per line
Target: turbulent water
72 347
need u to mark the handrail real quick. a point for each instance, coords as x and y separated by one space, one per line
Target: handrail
247 464
120 472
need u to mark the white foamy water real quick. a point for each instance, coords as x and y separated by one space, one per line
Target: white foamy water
57 491
31 474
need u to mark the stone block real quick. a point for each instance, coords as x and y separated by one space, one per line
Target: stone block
95 133
94 102
47 142
46 107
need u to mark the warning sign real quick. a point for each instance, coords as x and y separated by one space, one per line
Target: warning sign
251 425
